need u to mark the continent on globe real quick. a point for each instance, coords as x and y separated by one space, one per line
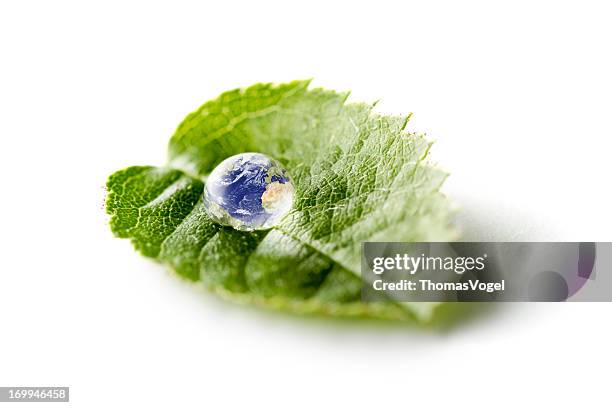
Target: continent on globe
248 191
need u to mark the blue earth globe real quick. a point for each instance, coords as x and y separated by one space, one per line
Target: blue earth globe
248 191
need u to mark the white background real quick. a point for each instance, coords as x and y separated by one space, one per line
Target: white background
516 95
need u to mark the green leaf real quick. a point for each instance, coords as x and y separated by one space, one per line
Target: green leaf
359 177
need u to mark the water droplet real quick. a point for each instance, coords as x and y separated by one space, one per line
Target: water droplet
248 191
